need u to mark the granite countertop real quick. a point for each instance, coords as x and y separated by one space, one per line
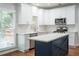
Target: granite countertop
48 37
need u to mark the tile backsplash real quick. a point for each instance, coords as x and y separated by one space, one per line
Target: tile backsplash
25 28
42 28
51 28
46 28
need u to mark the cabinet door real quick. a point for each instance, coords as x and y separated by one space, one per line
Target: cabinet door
46 15
34 11
52 16
71 39
40 17
70 14
27 42
25 14
54 13
21 42
57 12
51 19
63 12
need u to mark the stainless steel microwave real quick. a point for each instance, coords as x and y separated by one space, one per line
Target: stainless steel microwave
60 21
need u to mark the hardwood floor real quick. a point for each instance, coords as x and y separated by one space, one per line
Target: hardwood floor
19 53
72 52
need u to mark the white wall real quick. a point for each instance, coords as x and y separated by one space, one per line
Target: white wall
77 22
7 6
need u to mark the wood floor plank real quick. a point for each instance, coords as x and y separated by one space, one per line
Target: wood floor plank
72 52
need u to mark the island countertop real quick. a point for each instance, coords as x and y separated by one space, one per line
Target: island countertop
48 37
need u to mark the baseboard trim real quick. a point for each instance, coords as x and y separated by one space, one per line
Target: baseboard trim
26 50
8 51
73 46
31 48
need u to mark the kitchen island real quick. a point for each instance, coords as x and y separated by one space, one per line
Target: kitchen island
54 44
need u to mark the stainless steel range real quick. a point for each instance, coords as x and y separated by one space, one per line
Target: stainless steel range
61 25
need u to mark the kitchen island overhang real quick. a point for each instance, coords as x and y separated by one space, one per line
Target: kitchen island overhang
53 44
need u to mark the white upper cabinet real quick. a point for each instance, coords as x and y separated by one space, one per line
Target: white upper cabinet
25 14
34 11
54 13
70 14
40 17
47 20
67 12
46 17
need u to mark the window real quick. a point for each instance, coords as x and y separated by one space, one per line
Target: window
7 27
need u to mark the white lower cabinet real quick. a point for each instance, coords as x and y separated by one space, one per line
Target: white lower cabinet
23 42
73 39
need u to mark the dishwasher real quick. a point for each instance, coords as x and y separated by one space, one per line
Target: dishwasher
32 42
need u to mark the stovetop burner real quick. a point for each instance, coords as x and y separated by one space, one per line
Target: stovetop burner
59 31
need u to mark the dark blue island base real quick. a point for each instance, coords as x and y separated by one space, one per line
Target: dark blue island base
57 47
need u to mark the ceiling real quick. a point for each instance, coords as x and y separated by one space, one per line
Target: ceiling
49 5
